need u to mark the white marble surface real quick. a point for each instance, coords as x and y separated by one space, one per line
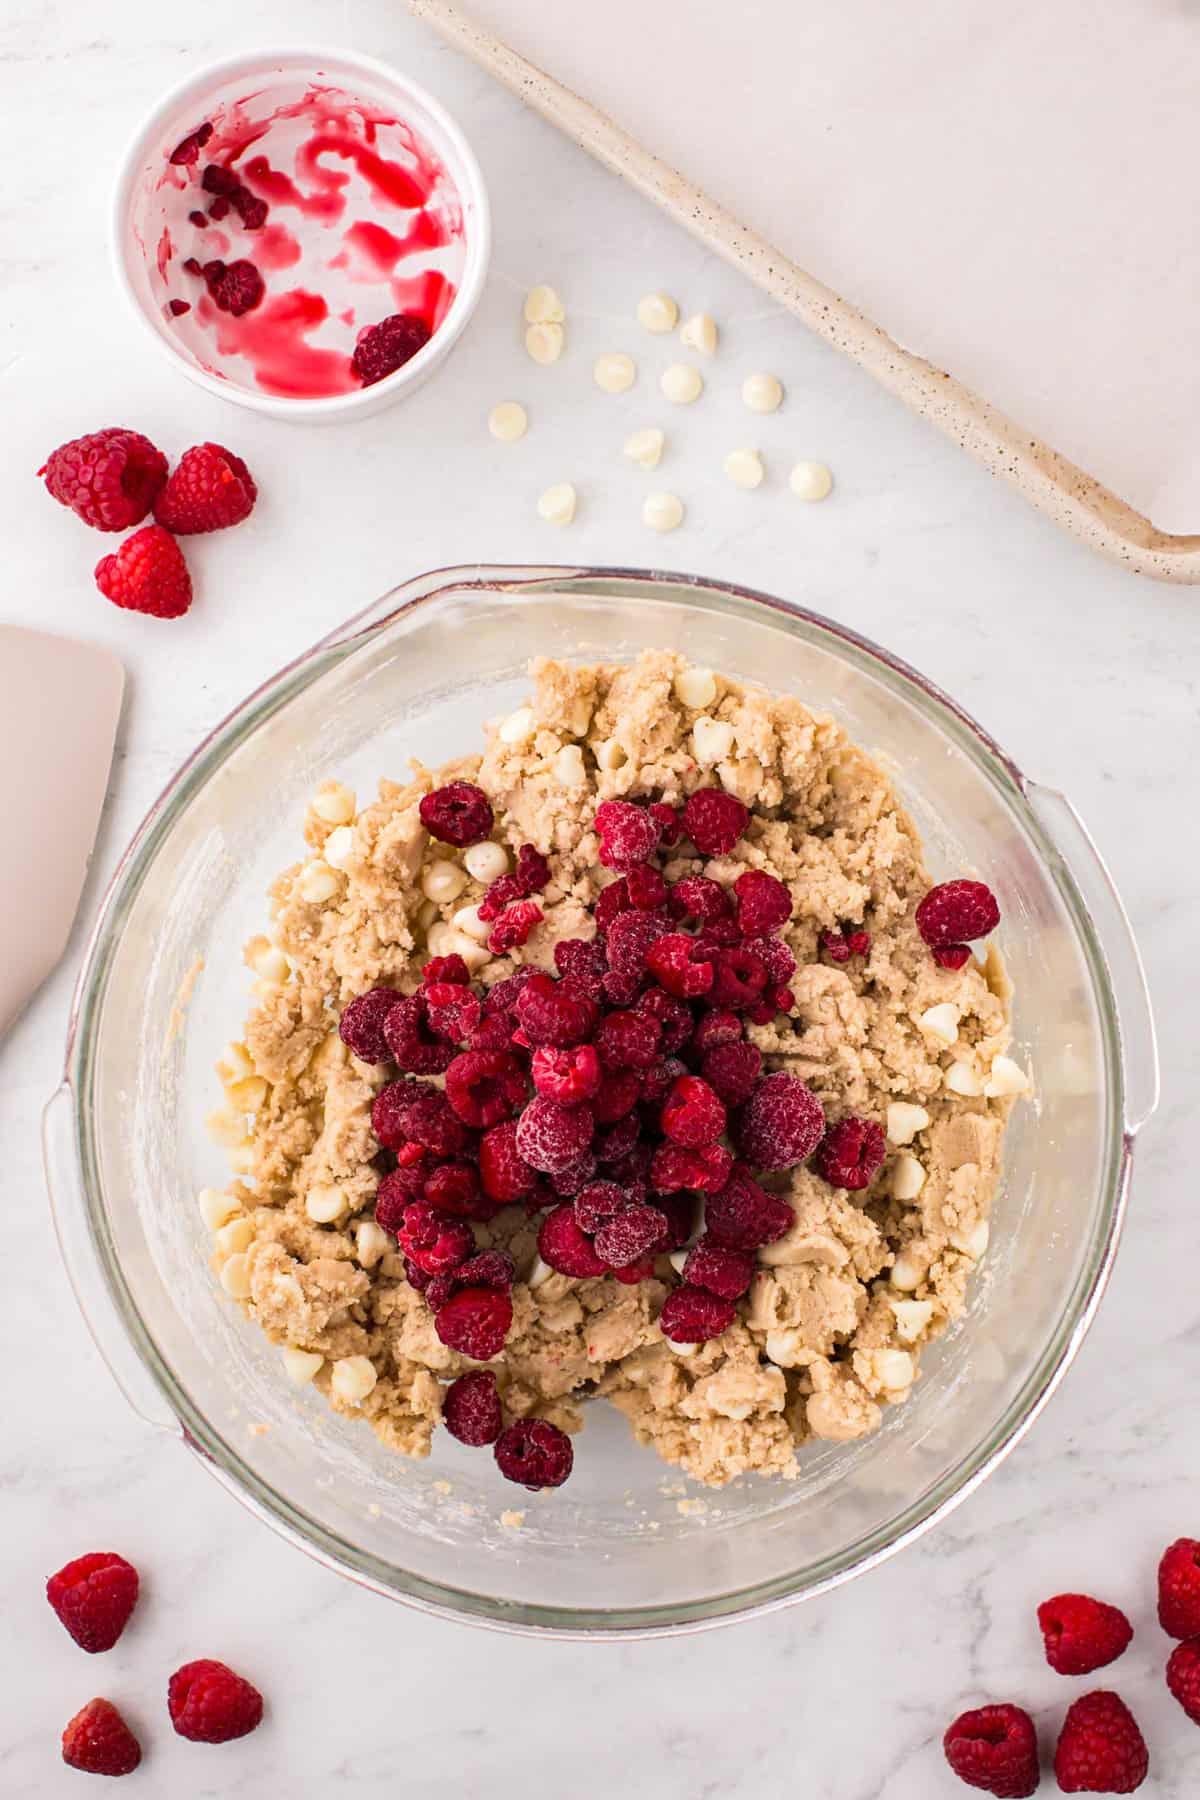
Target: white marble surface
1086 675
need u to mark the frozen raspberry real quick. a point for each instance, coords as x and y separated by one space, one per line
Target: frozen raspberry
628 834
490 1269
995 1748
632 1234
534 1453
1082 1634
679 1210
209 1704
692 1114
858 942
250 209
361 1024
674 1167
97 1741
696 897
219 208
177 308
599 1202
413 1045
236 287
673 1017
533 871
437 1289
499 894
193 267
681 964
1183 1676
187 150
434 1242
647 888
93 1597
503 997
454 1188
657 1082
714 820
630 937
453 1011
634 1273
617 1140
739 976
568 1076
731 1070
386 347
583 964
208 489
147 574
471 1408
744 1215
108 479
609 902
618 1094
834 944
775 958
503 1171
691 1315
550 1136
851 1153
1179 1589
459 813
1100 1749
952 956
514 926
493 1032
475 1322
627 1040
780 1124
719 1269
395 1194
567 1181
432 1122
217 179
441 970
763 903
485 1086
632 1173
563 1244
956 912
391 1108
668 818
549 1013
720 1026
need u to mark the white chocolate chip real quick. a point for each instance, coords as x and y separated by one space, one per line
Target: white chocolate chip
680 1349
216 1208
427 912
540 1272
744 468
438 938
893 1369
699 333
272 965
783 1348
318 883
339 847
960 1078
235 1063
1005 1078
235 1238
473 954
353 1378
235 1278
226 1128
557 504
941 1021
508 421
241 1157
908 1178
569 766
336 804
467 920
696 688
614 373
712 740
904 1120
543 306
300 1365
371 1242
810 481
657 312
677 1259
323 1204
544 343
912 1317
486 862
907 1273
763 393
972 1243
645 447
609 754
662 512
681 384
442 881
518 727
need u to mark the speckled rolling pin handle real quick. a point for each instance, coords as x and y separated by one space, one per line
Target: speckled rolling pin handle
1069 836
1047 480
82 1258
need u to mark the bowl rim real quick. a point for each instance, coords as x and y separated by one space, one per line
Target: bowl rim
523 584
478 239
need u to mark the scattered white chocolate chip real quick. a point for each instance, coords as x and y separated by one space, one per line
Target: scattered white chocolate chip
467 920
226 1128
241 1157
272 965
318 883
543 306
544 343
696 688
904 1120
662 512
323 1203
645 447
908 1178
1005 1078
371 1243
763 393
442 881
427 912
557 504
677 1259
339 847
300 1365
657 312
476 956
235 1238
678 1348
681 384
486 862
540 1272
972 1243
508 421
438 938
334 804
699 333
569 766
960 1078
712 740
810 481
783 1348
907 1272
912 1317
744 468
614 373
518 727
235 1278
216 1208
353 1378
893 1369
941 1021
609 755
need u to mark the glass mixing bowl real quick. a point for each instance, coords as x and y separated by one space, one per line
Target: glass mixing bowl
614 1552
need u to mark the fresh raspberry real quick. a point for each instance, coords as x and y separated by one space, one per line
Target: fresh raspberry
187 150
763 903
691 1315
619 1092
503 1171
236 287
443 970
208 489
1100 1749
499 894
628 1040
673 1016
995 1748
485 1086
97 1741
632 1234
1179 1589
434 1125
683 965
628 834
490 1269
433 1241
413 1045
609 902
696 897
952 956
858 942
568 1076
147 574
361 1024
386 347
598 1203
534 1453
454 1188
583 963
719 1269
453 1011
668 818
471 1408
657 1082
780 1124
851 1154
217 179
395 1194
739 976
514 926
533 871
714 820
390 1111
549 1013
108 479
957 911
209 1704
618 1139
731 1070
93 1597
692 1114
563 1244
706 1171
459 813
719 1026
1183 1676
647 888
1082 1634
745 1216
475 1322
550 1136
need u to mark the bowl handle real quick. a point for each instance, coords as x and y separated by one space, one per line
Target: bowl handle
1135 1016
81 1259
